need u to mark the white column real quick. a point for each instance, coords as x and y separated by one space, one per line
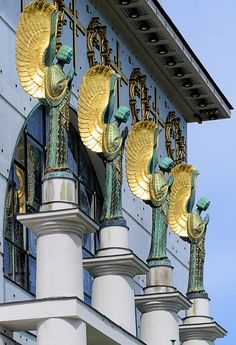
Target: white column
113 270
58 331
59 227
159 306
198 327
59 259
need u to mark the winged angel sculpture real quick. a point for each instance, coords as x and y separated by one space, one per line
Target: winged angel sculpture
100 134
187 223
35 52
150 185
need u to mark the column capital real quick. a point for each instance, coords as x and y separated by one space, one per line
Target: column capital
170 301
125 264
205 331
58 221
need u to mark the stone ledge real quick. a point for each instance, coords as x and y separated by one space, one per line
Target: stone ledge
170 301
128 264
201 331
64 220
23 316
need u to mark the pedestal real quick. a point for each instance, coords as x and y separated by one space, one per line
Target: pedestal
113 270
159 307
198 327
59 191
59 269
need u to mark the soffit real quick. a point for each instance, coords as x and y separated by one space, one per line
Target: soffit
152 36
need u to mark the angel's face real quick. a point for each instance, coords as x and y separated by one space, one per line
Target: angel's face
166 164
122 114
203 204
65 54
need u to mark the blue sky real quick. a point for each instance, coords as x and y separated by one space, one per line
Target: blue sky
209 26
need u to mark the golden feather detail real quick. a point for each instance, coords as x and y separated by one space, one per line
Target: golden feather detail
21 191
32 41
94 94
139 151
180 195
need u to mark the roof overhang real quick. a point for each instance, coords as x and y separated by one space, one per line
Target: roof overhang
155 39
26 315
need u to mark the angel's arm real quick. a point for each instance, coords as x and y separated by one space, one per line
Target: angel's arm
70 76
51 50
154 159
170 180
110 107
193 191
124 134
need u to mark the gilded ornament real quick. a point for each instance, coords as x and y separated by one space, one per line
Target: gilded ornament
139 153
96 37
100 134
182 197
31 177
150 184
20 192
196 228
137 87
36 39
173 132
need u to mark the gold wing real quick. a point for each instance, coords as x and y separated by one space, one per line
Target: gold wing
181 192
93 100
32 41
139 152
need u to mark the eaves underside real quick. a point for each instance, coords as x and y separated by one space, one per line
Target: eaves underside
155 39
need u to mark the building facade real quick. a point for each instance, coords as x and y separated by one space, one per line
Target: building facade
159 72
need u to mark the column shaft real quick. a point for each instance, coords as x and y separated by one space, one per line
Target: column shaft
59 265
113 296
159 327
61 332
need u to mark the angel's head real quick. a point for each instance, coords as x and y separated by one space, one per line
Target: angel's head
64 54
122 114
166 164
203 204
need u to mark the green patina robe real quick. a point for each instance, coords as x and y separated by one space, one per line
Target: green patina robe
57 93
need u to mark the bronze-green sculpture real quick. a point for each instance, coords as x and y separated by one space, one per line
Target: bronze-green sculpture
113 147
100 134
150 185
187 223
197 227
160 192
35 51
58 89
